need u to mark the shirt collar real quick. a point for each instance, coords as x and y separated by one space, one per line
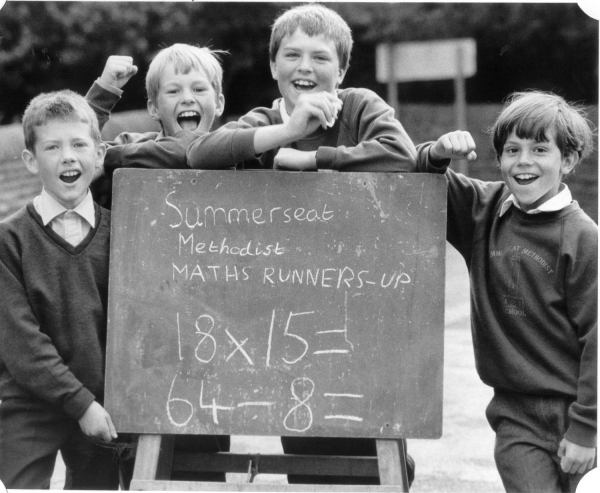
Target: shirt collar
50 208
561 200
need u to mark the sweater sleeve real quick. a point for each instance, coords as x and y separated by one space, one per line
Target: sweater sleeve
469 200
581 291
381 143
103 99
229 145
29 355
149 150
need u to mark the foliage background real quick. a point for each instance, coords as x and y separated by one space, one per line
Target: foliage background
52 45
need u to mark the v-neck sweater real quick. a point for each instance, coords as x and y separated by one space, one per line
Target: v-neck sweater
53 312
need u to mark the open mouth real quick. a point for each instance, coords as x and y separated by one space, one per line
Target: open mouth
70 176
525 178
189 120
304 85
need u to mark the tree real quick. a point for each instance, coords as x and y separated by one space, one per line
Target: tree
54 45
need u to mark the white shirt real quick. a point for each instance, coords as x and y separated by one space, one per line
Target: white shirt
561 200
72 225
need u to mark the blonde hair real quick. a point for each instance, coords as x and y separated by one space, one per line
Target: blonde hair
313 19
532 114
63 105
185 58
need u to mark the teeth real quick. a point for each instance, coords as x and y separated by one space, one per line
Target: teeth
188 114
525 177
70 173
305 83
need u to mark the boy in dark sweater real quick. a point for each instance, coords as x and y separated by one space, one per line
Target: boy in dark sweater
532 256
314 125
54 285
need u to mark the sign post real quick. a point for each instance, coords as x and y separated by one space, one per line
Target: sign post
429 60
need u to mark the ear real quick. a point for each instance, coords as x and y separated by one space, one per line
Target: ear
569 162
30 161
341 76
100 154
153 110
274 70
220 105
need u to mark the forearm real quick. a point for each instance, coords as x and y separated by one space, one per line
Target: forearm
370 138
143 152
582 296
222 149
103 99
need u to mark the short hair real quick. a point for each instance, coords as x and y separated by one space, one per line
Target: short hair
313 19
532 114
65 105
184 58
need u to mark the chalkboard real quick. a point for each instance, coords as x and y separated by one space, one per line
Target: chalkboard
276 303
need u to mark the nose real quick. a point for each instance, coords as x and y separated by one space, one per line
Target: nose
304 64
68 154
526 157
187 96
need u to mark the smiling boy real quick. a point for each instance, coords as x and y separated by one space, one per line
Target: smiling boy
314 125
54 284
184 87
532 256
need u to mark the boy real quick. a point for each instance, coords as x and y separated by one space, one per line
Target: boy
314 125
532 259
54 285
184 87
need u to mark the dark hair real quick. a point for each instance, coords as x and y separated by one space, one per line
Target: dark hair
532 114
313 19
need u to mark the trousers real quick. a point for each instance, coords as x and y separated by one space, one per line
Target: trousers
528 431
31 435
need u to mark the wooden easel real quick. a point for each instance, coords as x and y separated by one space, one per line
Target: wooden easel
156 460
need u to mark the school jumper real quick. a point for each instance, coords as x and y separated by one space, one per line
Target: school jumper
365 137
534 284
52 351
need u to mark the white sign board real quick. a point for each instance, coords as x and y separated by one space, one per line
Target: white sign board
426 60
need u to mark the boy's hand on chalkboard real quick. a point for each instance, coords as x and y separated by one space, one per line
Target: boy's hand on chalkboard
575 458
295 160
118 70
454 145
96 422
312 111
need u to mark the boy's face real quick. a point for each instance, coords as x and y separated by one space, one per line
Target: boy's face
533 170
185 101
305 64
66 158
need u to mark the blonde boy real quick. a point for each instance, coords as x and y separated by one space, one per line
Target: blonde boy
184 87
54 284
532 255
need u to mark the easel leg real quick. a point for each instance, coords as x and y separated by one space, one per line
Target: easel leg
154 458
391 457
